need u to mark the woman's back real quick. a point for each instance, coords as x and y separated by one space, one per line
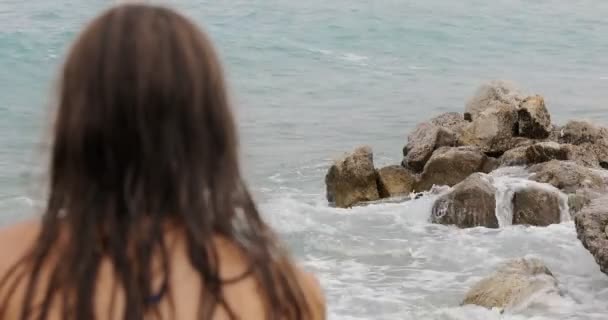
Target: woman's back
243 294
147 215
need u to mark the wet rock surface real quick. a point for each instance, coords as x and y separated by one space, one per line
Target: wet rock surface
470 203
449 166
512 284
591 227
352 179
395 181
536 207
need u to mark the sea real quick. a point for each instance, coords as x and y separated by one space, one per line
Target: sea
313 79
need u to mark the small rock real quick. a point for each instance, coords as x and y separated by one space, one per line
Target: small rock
492 130
513 284
352 179
471 203
592 138
601 149
583 155
421 143
514 157
580 199
395 181
579 132
591 225
536 207
566 176
449 166
534 118
555 134
490 165
547 151
492 94
517 142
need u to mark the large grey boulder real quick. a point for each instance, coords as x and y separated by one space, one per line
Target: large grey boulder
490 95
591 227
513 284
534 120
566 176
449 166
471 203
429 136
352 179
536 207
492 130
395 181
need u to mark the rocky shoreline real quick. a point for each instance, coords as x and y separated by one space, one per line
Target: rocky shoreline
500 127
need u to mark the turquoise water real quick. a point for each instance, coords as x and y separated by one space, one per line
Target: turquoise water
311 79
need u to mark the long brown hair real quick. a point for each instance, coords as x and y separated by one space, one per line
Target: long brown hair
144 135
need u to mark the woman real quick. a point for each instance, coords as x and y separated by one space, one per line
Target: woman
147 214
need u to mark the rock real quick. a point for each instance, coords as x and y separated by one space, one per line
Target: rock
579 132
421 143
492 94
534 120
517 142
547 151
591 225
580 199
583 155
453 121
352 179
449 166
492 130
555 134
600 149
566 176
471 203
395 181
589 137
513 284
514 157
536 207
490 165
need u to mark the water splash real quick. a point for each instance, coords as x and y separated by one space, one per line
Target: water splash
509 181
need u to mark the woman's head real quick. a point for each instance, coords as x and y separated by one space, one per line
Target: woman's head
143 114
144 137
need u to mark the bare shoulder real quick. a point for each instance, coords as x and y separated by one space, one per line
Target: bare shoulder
314 293
236 264
15 240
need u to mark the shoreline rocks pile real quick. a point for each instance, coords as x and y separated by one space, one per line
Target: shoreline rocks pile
500 127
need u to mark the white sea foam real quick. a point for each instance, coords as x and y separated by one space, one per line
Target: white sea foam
414 67
354 57
321 51
386 261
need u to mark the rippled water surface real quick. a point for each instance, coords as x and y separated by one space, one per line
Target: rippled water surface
311 79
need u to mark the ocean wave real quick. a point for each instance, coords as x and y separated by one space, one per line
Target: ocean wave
390 262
